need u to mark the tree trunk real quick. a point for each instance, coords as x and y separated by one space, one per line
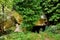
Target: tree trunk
3 8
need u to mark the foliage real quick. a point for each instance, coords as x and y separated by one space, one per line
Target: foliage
54 28
31 36
30 11
7 3
4 4
52 9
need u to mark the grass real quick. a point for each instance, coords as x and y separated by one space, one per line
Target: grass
31 36
47 35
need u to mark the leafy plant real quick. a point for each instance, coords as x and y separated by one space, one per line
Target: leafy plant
30 11
54 28
52 9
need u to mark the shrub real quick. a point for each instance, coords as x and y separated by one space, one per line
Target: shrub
52 9
30 11
54 28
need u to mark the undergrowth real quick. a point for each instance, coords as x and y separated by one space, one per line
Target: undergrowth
31 36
